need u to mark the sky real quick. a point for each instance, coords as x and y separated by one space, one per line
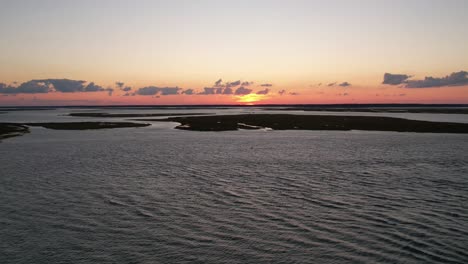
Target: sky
67 52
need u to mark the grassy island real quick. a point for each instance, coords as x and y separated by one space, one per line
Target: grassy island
131 115
313 122
87 125
418 110
12 130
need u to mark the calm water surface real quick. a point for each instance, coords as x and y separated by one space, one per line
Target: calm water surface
159 195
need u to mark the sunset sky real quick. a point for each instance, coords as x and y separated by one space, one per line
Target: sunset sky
68 52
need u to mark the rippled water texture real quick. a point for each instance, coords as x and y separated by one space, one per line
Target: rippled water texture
158 195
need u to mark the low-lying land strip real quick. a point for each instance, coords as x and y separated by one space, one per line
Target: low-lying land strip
313 122
14 129
131 115
87 125
376 110
260 121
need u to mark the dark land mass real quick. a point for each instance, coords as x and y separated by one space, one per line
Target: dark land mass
313 122
26 108
87 125
132 115
435 110
12 130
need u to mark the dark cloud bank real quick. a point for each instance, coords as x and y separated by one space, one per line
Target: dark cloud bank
53 85
266 91
454 79
227 88
44 86
153 90
122 87
343 84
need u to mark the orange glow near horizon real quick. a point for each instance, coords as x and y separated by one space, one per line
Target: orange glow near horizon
283 52
360 91
250 99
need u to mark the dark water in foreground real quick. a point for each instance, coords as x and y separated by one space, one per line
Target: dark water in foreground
158 195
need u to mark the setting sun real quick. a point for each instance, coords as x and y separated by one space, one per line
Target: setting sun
250 98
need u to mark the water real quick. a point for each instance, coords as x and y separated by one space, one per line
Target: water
61 114
159 195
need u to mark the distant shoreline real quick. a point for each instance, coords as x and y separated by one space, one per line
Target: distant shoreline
264 106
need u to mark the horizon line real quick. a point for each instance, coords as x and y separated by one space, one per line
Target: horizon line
243 105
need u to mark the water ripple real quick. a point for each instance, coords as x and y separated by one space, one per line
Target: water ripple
235 197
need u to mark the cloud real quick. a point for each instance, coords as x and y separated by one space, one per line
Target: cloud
233 84
212 90
53 85
454 79
66 85
284 92
343 84
265 91
242 91
91 87
120 85
395 79
228 90
208 91
109 91
31 87
48 85
153 90
218 82
188 92
71 86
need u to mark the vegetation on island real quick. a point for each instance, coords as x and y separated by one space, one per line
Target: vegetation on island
313 122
